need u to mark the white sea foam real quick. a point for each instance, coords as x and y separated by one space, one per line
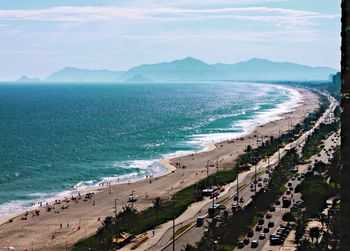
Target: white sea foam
245 126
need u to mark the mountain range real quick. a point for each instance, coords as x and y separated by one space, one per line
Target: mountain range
191 69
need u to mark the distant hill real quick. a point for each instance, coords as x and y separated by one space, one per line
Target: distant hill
138 78
263 69
179 70
25 78
191 69
71 74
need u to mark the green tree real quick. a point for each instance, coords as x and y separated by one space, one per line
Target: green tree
157 205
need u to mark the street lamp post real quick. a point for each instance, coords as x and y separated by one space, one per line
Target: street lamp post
237 171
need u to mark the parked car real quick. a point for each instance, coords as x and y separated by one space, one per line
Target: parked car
240 245
246 241
271 224
258 228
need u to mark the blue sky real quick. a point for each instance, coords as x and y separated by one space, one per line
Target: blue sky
40 37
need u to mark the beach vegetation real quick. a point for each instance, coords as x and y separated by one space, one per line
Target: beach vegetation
132 221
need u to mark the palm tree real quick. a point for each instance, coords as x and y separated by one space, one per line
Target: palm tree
157 204
314 233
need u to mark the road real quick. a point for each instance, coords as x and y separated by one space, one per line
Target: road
194 234
326 153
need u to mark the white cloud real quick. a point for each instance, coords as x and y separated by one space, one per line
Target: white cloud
88 14
268 36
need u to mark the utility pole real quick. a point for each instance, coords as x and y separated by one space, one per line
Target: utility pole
174 222
255 173
237 170
207 168
217 164
115 207
132 198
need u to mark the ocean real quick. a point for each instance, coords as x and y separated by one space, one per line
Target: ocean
56 139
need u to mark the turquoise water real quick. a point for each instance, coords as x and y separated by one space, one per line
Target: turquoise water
55 138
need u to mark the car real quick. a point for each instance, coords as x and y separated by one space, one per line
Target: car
286 226
276 241
288 192
250 233
246 241
266 180
254 244
272 209
268 216
293 178
290 184
259 185
271 224
266 230
221 207
252 189
259 179
290 188
262 236
258 228
261 221
278 202
241 200
240 245
219 218
299 178
281 235
282 231
234 208
235 198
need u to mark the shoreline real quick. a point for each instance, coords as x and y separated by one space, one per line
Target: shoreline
165 162
193 169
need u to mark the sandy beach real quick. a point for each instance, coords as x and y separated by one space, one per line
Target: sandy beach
73 219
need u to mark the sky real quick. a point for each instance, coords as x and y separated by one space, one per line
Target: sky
41 37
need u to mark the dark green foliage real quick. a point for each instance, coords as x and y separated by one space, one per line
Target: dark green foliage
314 141
315 191
226 235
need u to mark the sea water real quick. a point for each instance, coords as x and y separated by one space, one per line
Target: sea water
56 139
